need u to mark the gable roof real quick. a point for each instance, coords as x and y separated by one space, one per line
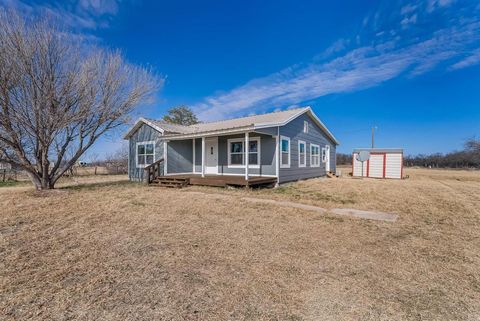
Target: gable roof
274 119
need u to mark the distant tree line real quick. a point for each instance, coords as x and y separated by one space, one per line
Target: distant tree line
344 159
469 157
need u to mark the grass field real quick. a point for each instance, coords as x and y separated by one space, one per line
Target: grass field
102 249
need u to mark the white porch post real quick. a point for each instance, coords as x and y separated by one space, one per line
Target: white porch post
203 156
165 157
193 155
246 156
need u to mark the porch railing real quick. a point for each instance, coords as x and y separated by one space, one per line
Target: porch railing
153 171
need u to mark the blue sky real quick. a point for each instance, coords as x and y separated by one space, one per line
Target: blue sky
411 68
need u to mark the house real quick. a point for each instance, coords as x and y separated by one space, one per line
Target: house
282 146
5 166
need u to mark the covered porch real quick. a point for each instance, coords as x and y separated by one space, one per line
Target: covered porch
236 158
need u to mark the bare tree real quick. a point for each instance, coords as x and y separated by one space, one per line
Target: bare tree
117 162
57 97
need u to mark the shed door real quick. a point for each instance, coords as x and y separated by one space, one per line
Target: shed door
376 165
394 165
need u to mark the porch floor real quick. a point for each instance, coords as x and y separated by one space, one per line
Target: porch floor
221 180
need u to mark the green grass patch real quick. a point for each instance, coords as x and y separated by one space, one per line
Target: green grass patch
9 183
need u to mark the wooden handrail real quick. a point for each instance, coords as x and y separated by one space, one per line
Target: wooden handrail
153 171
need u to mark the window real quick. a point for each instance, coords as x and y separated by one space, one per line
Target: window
236 157
314 155
145 153
253 152
236 153
284 152
302 154
324 155
305 127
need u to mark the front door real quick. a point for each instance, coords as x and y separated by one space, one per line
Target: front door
211 155
327 158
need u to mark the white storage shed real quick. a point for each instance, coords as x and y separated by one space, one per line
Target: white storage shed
382 163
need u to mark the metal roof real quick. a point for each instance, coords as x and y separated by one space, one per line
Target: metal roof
379 150
279 118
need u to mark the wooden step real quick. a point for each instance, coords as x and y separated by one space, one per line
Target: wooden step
172 182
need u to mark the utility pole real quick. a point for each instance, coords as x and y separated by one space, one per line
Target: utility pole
373 136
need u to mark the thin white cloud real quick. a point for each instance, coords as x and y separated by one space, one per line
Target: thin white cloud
358 69
436 4
99 7
473 59
86 15
409 20
409 8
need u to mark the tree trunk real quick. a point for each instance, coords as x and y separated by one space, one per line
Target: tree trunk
41 183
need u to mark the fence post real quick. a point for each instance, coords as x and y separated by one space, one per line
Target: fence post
4 174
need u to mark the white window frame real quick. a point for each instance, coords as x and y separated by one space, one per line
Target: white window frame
305 126
136 153
312 164
242 140
301 142
282 165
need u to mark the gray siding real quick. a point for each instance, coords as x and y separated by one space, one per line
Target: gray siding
143 134
179 156
180 153
294 130
198 155
267 156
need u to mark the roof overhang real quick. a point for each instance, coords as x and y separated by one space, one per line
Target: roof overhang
230 131
379 150
234 130
303 111
139 124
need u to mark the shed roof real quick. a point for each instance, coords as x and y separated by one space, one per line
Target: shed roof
379 150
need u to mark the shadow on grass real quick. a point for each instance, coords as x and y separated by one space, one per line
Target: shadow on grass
90 186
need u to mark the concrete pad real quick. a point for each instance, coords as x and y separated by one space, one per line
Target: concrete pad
369 215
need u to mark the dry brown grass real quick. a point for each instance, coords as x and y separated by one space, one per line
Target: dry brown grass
124 251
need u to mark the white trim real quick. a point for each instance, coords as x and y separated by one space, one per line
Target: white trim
277 155
215 140
165 157
306 126
213 133
149 142
246 153
300 142
242 140
289 152
193 155
237 174
137 125
203 157
221 174
311 155
183 173
327 158
301 112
